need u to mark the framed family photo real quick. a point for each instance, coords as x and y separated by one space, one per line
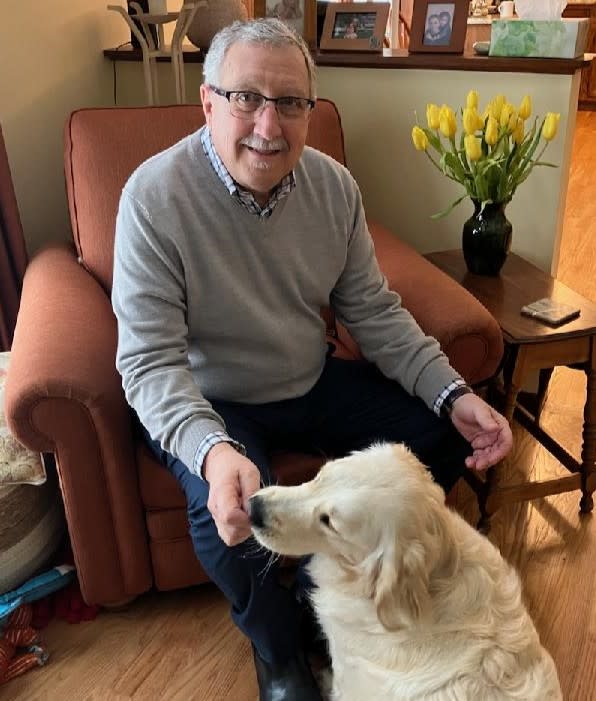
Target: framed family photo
439 27
355 26
300 15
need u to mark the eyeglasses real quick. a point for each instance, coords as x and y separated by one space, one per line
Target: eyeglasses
246 105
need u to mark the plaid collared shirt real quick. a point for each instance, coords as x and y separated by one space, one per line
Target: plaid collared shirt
245 197
211 440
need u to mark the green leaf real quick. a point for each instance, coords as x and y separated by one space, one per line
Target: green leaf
445 212
433 140
493 177
440 168
506 143
443 163
531 146
454 164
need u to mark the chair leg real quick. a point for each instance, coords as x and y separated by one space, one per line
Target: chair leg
178 75
182 77
148 79
176 69
154 80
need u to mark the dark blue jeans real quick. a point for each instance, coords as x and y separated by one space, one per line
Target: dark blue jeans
351 406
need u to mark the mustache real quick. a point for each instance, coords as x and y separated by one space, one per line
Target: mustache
261 144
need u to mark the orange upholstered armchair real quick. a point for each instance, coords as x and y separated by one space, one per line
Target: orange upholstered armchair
126 514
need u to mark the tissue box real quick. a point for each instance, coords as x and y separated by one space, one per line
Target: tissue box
563 38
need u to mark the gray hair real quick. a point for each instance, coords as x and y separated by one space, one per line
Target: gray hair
268 32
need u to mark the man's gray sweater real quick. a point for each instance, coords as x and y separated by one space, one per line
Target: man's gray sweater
215 302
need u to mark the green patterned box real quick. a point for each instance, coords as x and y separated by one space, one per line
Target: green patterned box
565 38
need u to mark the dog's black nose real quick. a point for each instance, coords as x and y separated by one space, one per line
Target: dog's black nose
255 511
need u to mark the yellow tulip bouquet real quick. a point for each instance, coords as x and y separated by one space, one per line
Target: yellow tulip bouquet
495 152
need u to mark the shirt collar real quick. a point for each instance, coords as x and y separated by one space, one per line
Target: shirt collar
245 197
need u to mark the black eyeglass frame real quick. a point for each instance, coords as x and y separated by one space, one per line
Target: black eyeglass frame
228 93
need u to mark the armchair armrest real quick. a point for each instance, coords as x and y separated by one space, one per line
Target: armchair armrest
469 335
64 395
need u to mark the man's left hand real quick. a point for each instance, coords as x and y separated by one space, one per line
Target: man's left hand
484 428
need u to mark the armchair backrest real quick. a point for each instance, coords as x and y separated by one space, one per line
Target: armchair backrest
103 147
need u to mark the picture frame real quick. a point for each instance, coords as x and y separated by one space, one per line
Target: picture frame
439 26
355 26
300 15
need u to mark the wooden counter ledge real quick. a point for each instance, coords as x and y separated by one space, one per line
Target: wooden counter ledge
401 59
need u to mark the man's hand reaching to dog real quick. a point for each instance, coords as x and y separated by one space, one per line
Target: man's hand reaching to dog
487 431
232 480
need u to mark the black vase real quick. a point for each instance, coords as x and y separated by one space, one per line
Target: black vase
486 238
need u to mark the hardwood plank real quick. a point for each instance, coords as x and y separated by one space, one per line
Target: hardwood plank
177 645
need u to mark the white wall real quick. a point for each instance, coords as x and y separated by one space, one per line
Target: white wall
51 63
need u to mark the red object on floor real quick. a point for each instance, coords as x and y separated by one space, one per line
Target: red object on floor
67 603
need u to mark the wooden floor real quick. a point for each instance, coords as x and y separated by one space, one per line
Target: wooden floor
181 646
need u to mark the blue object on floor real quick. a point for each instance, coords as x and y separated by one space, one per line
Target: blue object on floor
35 588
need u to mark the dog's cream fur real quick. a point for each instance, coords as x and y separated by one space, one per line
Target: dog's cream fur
414 602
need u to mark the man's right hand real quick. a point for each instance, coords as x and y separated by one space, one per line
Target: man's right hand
233 479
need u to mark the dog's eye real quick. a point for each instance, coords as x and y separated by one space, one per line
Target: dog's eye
324 519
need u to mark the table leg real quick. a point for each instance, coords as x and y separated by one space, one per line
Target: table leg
490 486
514 382
589 433
543 382
513 376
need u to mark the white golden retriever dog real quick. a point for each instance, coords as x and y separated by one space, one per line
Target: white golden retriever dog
415 603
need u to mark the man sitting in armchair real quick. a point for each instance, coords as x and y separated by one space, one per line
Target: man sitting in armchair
228 244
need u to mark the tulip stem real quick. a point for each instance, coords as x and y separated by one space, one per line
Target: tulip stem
438 167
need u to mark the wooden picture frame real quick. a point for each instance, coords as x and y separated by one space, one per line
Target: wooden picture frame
355 26
300 15
439 26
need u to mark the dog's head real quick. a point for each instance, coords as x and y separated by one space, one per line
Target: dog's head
377 513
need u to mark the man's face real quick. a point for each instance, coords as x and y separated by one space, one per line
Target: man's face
443 21
273 72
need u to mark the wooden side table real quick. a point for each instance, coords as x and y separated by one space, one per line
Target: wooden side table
531 345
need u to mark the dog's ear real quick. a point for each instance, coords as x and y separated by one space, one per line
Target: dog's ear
401 588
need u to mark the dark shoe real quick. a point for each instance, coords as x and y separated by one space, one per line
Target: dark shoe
291 681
